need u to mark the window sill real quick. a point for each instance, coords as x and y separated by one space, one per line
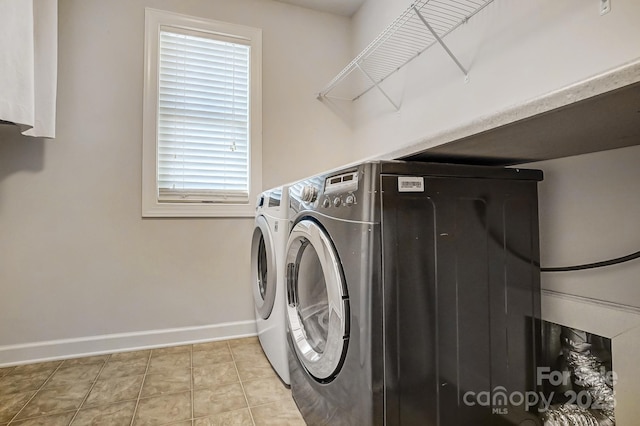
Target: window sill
198 210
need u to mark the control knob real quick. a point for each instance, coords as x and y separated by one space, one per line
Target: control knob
350 200
309 194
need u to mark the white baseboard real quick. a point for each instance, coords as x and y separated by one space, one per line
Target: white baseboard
121 342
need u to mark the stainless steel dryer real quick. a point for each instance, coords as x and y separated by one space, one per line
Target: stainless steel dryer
411 289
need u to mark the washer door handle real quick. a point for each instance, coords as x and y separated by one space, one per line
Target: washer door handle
291 284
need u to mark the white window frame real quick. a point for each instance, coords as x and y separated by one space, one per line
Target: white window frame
151 207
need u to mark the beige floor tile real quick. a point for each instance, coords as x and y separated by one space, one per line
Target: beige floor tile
264 391
114 390
128 356
164 409
98 359
211 381
172 350
56 400
249 352
169 361
123 368
234 343
55 420
255 369
5 370
214 356
207 402
23 381
221 345
74 374
171 381
49 366
230 418
11 404
280 413
214 375
113 415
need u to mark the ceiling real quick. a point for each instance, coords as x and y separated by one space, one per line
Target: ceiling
337 7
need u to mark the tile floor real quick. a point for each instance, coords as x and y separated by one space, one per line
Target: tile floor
218 383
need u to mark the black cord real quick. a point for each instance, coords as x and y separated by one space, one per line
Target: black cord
497 238
615 261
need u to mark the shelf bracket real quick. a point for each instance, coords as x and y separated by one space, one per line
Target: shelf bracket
439 40
377 86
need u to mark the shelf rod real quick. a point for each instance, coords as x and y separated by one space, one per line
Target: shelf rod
338 98
378 86
439 40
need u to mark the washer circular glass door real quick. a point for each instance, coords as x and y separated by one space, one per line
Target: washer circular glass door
263 268
317 304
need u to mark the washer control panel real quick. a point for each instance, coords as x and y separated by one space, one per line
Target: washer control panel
339 191
341 183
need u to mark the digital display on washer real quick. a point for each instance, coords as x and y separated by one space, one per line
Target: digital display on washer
341 183
274 198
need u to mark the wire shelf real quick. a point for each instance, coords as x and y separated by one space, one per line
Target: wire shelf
420 26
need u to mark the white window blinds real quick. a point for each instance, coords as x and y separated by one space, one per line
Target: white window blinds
203 119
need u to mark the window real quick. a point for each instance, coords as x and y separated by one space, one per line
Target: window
202 117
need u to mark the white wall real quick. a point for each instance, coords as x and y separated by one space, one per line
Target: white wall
589 212
515 51
77 261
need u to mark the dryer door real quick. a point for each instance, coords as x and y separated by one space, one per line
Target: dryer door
317 304
263 268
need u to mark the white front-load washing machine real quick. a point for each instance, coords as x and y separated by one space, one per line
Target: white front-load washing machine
267 276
